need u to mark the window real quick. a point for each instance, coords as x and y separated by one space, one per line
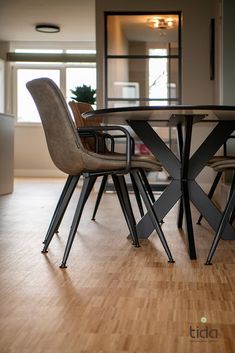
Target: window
78 76
67 75
26 109
158 76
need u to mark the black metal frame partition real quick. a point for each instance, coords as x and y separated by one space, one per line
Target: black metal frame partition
170 56
176 100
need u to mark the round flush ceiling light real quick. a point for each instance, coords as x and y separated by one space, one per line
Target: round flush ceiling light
45 28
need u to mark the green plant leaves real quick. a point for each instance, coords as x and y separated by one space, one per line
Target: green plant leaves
84 94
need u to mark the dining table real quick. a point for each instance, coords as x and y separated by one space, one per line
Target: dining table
183 168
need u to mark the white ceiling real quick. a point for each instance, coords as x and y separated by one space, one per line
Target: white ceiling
76 19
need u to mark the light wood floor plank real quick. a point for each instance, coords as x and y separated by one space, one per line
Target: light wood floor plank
113 298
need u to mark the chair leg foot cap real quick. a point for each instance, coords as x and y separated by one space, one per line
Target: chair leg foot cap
171 261
136 245
208 263
63 266
44 251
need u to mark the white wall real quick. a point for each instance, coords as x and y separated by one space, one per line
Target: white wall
6 153
31 154
2 86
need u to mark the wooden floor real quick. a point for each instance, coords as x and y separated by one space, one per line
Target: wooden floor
112 297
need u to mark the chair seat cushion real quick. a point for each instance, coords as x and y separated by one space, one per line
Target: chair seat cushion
94 161
224 164
217 159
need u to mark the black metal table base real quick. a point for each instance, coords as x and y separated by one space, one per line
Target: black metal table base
184 173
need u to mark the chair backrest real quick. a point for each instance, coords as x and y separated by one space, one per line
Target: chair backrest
63 142
77 109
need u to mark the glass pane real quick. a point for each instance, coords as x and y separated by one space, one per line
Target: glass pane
153 78
78 76
163 78
26 109
158 75
174 91
80 51
163 102
135 34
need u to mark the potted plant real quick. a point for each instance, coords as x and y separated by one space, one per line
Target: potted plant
84 94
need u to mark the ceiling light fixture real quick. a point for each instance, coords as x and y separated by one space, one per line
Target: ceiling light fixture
161 23
47 28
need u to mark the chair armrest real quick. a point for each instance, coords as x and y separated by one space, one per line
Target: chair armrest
128 143
86 132
99 137
113 137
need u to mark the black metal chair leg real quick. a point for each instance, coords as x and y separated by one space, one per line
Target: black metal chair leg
60 210
146 185
71 191
152 213
232 186
65 188
100 193
129 210
211 192
231 190
86 189
189 224
148 188
120 198
122 193
137 196
180 213
224 221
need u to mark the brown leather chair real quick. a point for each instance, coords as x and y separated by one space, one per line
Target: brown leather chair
221 166
70 156
77 109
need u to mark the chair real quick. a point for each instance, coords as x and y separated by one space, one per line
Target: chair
228 214
218 176
90 142
77 109
69 155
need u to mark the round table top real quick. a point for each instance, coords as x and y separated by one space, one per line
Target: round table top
164 115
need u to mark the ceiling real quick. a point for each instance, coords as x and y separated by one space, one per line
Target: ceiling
76 19
136 28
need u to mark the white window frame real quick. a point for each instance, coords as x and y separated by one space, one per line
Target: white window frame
83 46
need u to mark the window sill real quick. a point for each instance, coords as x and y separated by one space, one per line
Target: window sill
17 124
